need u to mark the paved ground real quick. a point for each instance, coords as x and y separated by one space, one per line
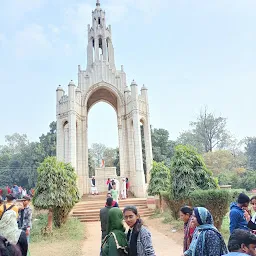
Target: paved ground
164 245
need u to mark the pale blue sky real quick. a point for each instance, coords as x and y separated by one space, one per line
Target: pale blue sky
189 53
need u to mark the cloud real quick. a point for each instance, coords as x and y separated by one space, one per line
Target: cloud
32 41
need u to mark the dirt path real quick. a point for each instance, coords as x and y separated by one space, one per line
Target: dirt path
163 244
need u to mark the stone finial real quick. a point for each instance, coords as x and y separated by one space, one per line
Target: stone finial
133 83
59 88
98 3
122 68
71 83
143 87
127 89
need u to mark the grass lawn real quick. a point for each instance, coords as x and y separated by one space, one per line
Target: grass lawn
64 241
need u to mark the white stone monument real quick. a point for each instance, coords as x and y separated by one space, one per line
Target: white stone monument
101 81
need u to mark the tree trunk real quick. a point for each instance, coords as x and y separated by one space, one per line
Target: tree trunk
49 224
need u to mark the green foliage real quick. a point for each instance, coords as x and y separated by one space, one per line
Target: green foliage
245 180
48 141
162 146
217 201
222 161
250 151
19 158
56 189
189 173
160 179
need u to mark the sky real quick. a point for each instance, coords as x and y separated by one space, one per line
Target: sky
189 53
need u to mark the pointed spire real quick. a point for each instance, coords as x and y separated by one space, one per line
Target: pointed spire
98 3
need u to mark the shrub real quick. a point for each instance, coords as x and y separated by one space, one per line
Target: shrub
216 201
174 205
160 179
189 173
56 190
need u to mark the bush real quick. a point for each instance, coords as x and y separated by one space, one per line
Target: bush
216 201
174 205
56 190
189 173
160 179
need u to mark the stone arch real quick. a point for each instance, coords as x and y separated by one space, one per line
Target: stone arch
100 88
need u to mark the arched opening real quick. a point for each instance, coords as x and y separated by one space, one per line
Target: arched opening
100 48
93 49
107 48
103 141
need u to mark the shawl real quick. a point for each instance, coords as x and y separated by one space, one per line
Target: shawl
204 218
188 234
9 227
116 227
132 237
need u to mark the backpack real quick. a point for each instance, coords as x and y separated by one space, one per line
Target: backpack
5 210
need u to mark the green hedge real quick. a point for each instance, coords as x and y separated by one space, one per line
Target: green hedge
217 201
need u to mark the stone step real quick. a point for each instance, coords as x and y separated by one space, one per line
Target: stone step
88 210
97 212
94 219
92 209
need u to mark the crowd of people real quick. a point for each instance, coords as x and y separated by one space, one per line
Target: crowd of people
117 190
18 191
201 238
15 223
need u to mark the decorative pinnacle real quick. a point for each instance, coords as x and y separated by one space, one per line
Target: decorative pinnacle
98 3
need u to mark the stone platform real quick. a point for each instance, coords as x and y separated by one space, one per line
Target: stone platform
88 209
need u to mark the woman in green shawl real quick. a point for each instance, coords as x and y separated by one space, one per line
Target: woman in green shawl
115 243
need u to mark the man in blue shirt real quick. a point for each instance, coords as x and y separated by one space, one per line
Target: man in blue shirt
242 243
237 218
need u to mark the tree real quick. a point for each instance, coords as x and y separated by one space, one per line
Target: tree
109 156
208 132
221 161
250 151
91 164
117 162
48 141
160 179
97 152
56 190
188 173
162 147
189 138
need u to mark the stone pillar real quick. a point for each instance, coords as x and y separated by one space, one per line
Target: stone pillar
85 155
96 47
104 48
72 124
79 148
140 189
60 141
148 148
121 147
147 134
66 143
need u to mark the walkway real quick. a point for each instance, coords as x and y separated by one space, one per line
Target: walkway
164 246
